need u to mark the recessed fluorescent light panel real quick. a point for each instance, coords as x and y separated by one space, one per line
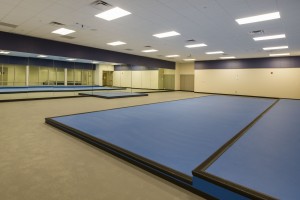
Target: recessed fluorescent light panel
149 50
270 37
172 56
71 59
116 43
189 59
42 56
113 13
4 52
227 57
258 18
214 52
275 48
195 45
280 54
95 62
166 34
63 31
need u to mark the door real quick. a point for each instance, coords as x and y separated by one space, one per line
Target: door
187 82
169 81
107 78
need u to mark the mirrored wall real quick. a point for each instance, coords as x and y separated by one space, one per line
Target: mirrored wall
34 78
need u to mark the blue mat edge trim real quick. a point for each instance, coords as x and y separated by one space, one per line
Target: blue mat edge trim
199 172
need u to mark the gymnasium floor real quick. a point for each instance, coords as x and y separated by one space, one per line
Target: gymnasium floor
41 162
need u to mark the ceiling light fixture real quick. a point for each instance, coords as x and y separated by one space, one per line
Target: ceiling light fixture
116 43
189 59
275 48
63 31
280 54
4 52
172 56
113 13
214 52
149 50
270 37
166 34
42 56
195 45
70 59
227 57
258 18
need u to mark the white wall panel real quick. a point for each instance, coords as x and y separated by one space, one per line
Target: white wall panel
136 79
117 78
154 79
146 79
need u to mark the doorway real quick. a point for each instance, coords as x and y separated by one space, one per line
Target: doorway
107 78
187 82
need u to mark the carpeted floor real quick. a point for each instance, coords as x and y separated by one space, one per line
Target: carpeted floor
40 162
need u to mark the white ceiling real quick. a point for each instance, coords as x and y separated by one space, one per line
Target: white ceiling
207 21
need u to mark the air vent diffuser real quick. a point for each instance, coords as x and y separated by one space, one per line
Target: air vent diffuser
191 40
98 4
257 32
56 24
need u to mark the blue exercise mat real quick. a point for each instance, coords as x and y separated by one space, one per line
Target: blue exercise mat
179 134
266 158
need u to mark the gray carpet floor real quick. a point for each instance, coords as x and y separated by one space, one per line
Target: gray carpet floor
39 162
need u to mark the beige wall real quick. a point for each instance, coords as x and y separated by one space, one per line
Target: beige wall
99 72
122 79
169 71
140 79
117 79
154 79
10 75
183 68
137 79
281 83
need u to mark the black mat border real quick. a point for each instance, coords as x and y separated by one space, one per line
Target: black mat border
166 173
115 97
241 95
154 90
195 173
131 106
41 98
236 188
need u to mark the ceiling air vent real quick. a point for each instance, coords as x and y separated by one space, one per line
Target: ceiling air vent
257 32
8 25
191 40
56 24
68 37
98 4
128 49
148 46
